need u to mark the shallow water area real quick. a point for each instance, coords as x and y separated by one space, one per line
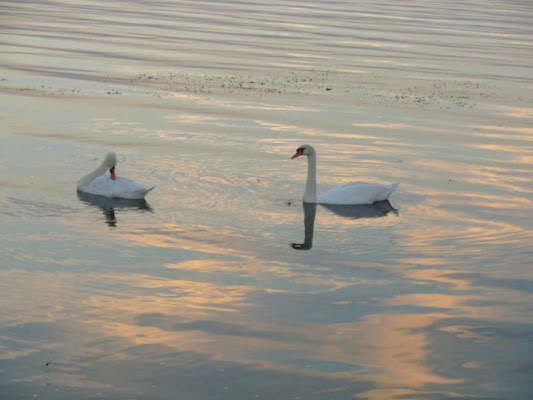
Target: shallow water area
222 284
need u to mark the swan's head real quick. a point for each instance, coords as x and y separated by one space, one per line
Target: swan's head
110 162
304 150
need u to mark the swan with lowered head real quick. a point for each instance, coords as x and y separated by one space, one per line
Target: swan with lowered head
101 184
349 193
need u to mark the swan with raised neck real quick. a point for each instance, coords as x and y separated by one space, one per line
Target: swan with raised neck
349 193
310 185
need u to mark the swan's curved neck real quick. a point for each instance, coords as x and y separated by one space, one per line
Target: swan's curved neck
310 186
86 180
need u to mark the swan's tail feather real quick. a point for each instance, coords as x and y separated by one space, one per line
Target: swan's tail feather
392 187
139 194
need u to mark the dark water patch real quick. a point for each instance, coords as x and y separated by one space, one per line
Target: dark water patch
20 207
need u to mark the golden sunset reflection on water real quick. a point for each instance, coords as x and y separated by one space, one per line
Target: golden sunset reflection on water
221 284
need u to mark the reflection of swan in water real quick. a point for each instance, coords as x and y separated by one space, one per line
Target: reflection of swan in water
375 210
109 205
309 224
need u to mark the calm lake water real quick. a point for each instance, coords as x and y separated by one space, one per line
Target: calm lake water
222 285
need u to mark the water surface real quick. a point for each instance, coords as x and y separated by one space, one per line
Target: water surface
222 285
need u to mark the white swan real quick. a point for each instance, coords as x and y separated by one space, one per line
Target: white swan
349 193
110 185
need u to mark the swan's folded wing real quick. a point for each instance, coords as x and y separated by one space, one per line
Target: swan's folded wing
121 187
357 193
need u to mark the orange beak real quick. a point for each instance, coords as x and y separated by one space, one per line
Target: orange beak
298 154
112 172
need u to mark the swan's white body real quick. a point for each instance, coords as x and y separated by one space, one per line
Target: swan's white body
357 193
101 184
347 194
